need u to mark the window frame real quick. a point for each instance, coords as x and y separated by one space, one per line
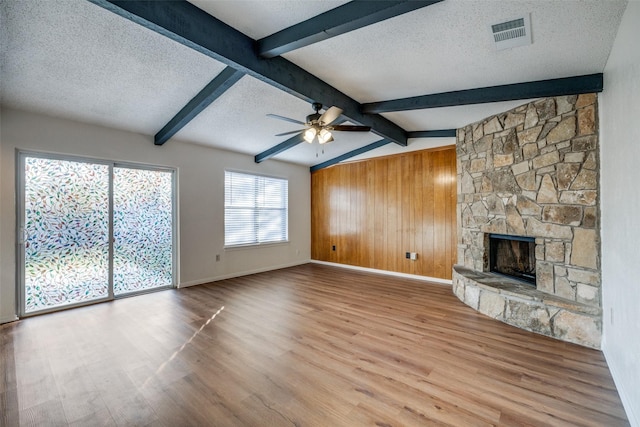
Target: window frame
256 209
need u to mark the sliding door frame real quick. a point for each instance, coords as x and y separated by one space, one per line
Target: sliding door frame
21 156
174 225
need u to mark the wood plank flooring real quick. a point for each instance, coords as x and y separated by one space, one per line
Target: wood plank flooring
305 346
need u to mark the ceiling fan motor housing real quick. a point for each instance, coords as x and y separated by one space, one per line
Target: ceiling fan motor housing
313 119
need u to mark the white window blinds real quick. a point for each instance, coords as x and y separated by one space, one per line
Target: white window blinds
255 209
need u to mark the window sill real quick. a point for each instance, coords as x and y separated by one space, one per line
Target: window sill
255 245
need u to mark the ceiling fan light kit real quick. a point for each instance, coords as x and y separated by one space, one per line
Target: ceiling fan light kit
319 125
309 135
324 136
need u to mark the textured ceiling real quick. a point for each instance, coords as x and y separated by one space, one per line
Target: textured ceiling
74 59
449 46
258 19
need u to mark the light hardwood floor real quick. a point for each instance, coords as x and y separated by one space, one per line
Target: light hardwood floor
310 345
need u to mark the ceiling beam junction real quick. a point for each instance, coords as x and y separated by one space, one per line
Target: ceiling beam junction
186 24
511 92
348 17
219 85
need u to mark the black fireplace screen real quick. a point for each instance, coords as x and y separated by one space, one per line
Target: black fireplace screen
513 256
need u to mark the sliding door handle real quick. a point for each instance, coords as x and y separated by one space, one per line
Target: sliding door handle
22 235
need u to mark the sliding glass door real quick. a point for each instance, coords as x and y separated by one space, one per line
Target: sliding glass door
66 233
92 230
142 229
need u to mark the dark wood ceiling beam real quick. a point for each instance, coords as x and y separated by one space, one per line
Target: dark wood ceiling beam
350 154
219 85
348 17
277 149
511 92
184 23
440 133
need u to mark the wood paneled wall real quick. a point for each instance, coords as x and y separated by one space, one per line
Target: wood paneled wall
374 211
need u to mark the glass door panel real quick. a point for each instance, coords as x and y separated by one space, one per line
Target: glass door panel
142 229
66 233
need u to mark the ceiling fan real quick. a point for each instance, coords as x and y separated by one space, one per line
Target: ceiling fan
319 126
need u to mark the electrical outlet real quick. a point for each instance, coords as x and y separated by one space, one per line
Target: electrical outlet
333 248
407 255
217 257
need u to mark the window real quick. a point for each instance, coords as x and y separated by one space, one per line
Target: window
256 209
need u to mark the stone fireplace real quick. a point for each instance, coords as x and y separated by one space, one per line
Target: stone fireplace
531 174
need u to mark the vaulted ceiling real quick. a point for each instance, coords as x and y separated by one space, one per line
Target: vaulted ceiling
209 72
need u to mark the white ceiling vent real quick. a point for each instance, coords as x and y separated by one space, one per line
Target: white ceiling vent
516 32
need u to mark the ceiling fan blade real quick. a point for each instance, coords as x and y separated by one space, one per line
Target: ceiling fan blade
330 116
290 133
349 128
286 119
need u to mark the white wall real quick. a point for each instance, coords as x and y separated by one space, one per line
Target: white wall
620 157
200 196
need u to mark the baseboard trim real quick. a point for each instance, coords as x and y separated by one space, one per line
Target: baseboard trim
388 273
627 404
8 319
241 273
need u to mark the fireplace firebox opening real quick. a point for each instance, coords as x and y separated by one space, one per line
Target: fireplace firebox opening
513 256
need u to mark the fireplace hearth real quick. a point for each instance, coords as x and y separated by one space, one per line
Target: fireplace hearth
513 256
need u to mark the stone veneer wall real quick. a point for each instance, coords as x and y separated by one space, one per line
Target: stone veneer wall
533 171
